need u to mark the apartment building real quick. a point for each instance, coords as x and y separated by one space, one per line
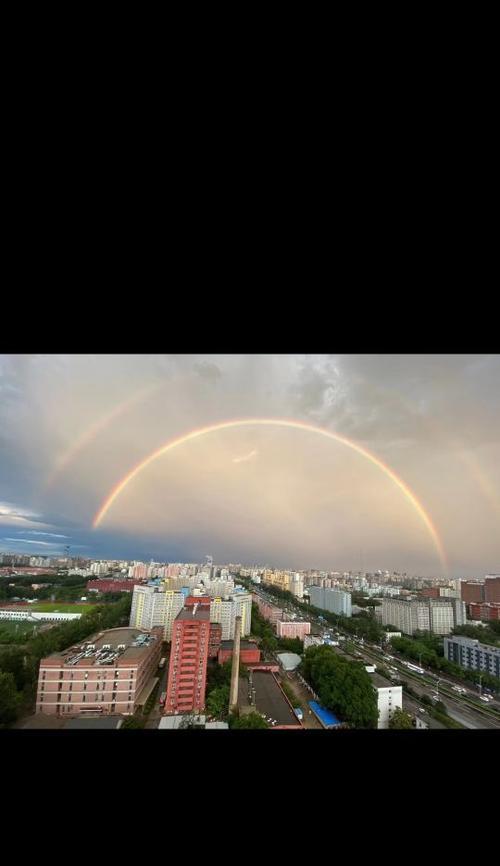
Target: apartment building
332 600
154 606
187 673
471 653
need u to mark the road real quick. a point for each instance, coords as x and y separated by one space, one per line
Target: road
460 708
464 709
309 721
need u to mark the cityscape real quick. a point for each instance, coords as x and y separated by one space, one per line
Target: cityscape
351 506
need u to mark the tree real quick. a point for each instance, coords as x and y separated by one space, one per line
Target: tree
251 720
218 701
401 720
342 686
9 699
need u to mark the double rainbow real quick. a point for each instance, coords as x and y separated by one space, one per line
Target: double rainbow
275 422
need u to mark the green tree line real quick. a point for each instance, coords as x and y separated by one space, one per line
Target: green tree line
342 686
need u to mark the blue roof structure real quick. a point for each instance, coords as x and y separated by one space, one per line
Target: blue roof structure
325 716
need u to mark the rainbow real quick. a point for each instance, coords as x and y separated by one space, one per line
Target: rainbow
97 427
275 422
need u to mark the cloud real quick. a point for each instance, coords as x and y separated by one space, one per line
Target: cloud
52 534
208 371
246 457
28 541
416 412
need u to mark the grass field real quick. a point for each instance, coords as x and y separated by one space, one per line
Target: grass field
10 629
60 606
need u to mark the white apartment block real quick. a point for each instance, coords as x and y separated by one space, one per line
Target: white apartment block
332 600
225 611
389 698
438 616
153 606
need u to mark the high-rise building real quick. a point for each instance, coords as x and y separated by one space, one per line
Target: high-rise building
438 615
153 606
332 600
225 610
472 590
492 588
188 660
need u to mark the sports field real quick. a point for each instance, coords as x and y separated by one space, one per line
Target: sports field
60 607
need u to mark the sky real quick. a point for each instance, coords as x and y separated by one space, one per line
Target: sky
411 483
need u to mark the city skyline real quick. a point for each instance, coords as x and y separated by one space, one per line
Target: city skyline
350 462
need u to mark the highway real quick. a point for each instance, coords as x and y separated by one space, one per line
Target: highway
466 709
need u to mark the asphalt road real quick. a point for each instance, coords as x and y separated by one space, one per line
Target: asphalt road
456 708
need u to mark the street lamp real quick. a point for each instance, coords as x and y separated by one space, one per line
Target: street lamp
480 685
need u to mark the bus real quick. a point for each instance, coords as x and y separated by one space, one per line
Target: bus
162 663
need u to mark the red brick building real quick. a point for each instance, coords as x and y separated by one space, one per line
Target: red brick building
112 585
472 591
492 589
187 674
484 611
110 675
249 652
430 592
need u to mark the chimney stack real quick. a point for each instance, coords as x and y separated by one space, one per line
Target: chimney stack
233 693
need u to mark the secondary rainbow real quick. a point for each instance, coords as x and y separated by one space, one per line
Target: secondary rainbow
274 422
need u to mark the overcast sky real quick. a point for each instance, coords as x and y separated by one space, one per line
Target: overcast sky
72 426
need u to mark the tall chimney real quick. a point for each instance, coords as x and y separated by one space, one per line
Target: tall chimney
233 693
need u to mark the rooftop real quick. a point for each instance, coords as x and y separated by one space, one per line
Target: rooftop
289 660
197 613
105 648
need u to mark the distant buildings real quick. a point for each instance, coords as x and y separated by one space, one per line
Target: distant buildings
111 585
153 606
484 611
332 600
187 673
487 590
470 653
110 675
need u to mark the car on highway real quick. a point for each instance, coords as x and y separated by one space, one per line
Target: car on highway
459 689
